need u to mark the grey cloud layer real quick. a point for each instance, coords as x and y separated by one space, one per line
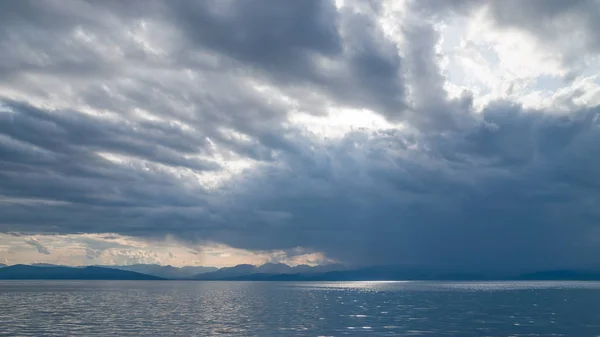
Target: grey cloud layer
506 188
40 248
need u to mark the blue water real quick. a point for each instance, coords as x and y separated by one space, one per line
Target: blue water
170 308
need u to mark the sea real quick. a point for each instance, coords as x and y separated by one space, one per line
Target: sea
203 308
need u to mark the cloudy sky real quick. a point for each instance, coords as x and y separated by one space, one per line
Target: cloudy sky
456 133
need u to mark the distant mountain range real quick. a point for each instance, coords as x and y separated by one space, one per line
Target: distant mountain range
168 272
278 272
271 272
242 271
560 275
335 272
25 272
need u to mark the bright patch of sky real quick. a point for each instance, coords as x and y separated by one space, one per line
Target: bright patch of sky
114 249
495 63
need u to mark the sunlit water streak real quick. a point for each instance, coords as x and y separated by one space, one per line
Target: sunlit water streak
142 308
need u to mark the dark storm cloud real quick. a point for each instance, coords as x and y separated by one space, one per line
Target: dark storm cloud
75 134
54 155
517 189
271 34
288 43
36 38
507 188
305 46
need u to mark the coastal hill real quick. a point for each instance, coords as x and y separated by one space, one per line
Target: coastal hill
25 272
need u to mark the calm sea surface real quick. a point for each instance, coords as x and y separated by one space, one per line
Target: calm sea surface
172 308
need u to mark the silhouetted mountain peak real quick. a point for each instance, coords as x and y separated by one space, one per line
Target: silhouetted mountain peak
244 266
274 268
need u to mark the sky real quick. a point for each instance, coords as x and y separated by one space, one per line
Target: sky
462 134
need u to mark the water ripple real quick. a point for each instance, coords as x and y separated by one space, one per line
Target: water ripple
140 308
